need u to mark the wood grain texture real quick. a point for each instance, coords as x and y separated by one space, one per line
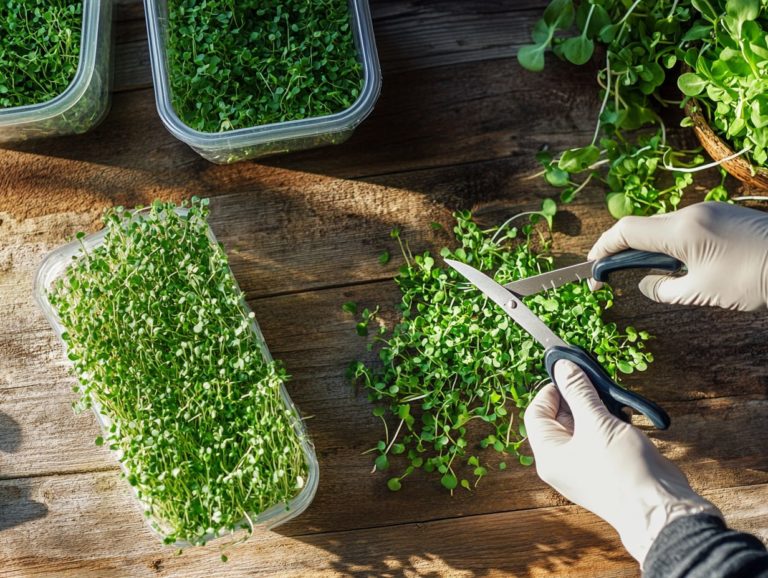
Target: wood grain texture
76 533
457 127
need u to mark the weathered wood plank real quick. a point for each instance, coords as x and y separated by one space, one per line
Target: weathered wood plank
433 118
716 440
72 522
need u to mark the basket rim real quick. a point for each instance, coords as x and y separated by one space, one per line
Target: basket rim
694 111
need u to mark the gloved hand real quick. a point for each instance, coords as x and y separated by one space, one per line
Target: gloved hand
604 464
724 247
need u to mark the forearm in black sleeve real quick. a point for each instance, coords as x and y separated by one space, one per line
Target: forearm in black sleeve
701 546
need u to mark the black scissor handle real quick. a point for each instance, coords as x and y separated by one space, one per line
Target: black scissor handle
634 259
614 397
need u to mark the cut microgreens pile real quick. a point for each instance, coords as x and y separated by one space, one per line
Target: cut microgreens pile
39 49
249 63
455 365
643 42
163 347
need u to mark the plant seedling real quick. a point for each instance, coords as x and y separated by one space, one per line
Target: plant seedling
163 346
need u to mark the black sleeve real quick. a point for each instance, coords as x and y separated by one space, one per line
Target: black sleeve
701 546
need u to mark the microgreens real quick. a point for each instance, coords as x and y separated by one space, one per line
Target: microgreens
731 73
39 49
249 63
455 358
163 347
643 41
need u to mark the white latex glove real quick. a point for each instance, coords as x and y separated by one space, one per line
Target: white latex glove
604 464
724 247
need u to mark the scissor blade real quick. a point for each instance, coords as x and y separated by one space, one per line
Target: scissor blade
510 303
550 280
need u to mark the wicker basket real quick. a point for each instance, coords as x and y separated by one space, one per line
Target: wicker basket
754 177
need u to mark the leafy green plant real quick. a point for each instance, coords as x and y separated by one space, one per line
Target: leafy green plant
39 49
642 42
236 65
454 360
730 73
164 348
631 180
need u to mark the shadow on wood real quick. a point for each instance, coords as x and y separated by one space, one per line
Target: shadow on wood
526 543
16 507
10 434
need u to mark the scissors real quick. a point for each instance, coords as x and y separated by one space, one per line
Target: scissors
509 298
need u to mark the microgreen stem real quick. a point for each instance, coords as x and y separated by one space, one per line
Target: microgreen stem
605 97
705 166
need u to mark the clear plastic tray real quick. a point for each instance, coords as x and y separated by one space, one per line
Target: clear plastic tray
56 263
85 102
246 143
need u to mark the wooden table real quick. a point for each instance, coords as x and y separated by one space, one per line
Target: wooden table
456 127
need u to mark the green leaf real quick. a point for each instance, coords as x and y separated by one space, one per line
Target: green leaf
624 366
548 210
597 16
742 10
449 481
578 50
559 13
557 177
384 258
577 160
350 307
99 441
618 205
526 460
382 462
691 84
698 31
705 9
394 484
608 33
531 57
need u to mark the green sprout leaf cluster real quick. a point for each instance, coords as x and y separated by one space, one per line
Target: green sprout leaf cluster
164 348
241 64
39 49
731 73
455 372
642 43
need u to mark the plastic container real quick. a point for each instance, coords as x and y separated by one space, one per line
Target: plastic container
55 264
85 102
246 143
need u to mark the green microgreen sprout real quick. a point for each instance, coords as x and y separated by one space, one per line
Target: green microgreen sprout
165 349
240 64
39 49
455 373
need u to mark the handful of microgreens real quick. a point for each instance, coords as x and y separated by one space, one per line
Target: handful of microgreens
456 368
167 352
